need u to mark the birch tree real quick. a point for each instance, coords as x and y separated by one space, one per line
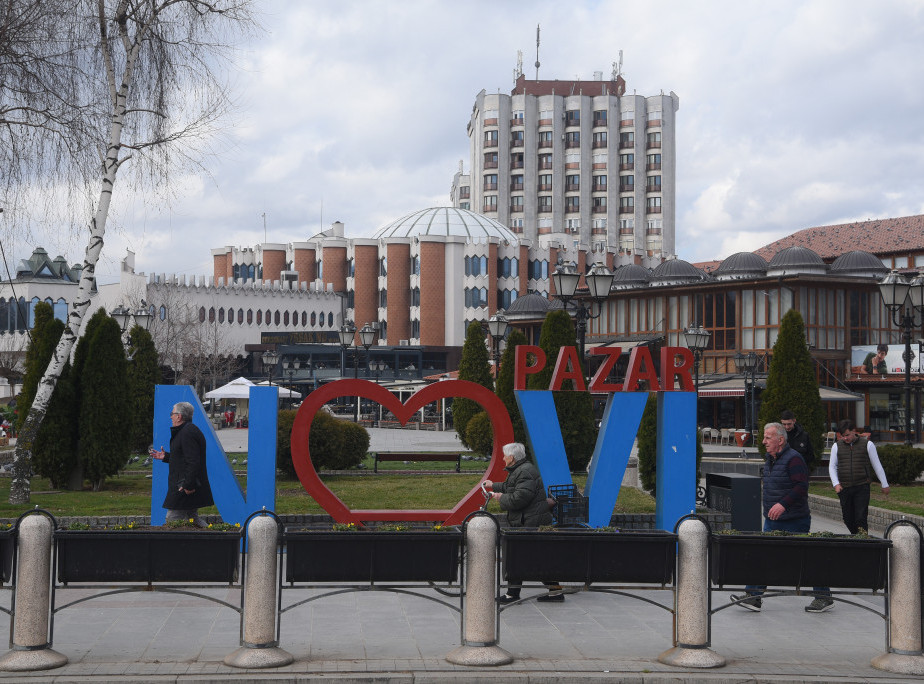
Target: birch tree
139 81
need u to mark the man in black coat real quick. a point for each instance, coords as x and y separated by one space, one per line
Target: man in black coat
798 439
188 487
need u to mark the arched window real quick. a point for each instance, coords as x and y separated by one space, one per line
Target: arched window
276 318
314 319
202 314
240 316
259 316
221 315
35 300
60 308
285 318
330 323
230 316
321 319
269 317
249 316
211 314
304 319
251 271
162 313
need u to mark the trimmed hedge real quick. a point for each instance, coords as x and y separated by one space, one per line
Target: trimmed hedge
902 464
479 434
335 444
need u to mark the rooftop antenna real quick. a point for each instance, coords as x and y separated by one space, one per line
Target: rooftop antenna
264 227
617 67
519 70
537 52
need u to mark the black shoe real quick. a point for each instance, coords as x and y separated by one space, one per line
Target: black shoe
752 603
507 598
551 597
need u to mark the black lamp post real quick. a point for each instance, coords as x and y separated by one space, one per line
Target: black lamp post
346 334
123 316
905 302
599 280
377 367
697 339
498 327
291 366
747 363
270 358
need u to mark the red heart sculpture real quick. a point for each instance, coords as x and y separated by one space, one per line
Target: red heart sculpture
301 458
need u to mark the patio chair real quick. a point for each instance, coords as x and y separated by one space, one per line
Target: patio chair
708 434
726 436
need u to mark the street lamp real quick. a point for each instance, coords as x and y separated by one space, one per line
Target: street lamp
747 363
123 316
346 334
377 367
697 339
270 358
599 280
498 327
905 300
290 366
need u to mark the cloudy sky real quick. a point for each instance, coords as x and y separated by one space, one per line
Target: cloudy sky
792 114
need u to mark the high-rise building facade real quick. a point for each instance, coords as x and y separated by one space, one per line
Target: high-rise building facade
579 159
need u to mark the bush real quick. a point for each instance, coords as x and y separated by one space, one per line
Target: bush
479 434
903 464
334 444
648 448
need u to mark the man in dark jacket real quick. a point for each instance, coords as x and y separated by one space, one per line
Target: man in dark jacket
523 496
798 439
188 487
785 505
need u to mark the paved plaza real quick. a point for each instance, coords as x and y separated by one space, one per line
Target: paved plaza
379 636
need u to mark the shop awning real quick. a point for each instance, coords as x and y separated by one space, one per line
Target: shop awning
734 387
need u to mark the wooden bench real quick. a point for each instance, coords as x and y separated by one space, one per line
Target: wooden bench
416 457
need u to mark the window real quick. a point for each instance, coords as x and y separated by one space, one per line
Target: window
545 115
351 267
626 139
545 138
573 117
627 117
490 115
212 314
572 204
240 317
314 319
330 323
490 138
599 160
516 182
383 298
600 139
464 192
600 117
653 162
573 139
654 116
573 160
599 184
654 140
304 319
465 205
350 300
545 161
276 318
285 318
517 117
599 205
573 182
202 314
573 225
654 226
415 297
538 270
627 204
415 265
259 316
221 315
516 160
627 225
490 160
545 203
516 139
599 224
383 266
319 269
653 183
653 204
320 319
516 225
545 181
626 162
626 183
516 203
490 203
415 329
490 181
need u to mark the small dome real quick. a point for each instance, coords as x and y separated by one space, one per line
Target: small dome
446 221
630 275
858 263
676 272
796 259
532 305
741 265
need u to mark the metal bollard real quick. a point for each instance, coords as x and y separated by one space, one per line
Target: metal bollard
31 647
479 608
904 628
691 604
260 646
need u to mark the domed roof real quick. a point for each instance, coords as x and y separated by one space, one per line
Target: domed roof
858 263
741 265
796 259
676 272
630 275
529 305
446 221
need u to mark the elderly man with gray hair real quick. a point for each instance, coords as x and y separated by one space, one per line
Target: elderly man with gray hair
188 487
523 496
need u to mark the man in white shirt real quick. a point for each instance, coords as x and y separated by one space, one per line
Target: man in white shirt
849 469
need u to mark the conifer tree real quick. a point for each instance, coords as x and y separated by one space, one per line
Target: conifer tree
648 447
143 375
55 448
43 338
104 411
473 366
791 382
575 409
505 384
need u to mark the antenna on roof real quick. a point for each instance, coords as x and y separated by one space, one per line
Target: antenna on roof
519 70
537 52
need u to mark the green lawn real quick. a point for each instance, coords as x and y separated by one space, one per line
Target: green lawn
131 495
904 499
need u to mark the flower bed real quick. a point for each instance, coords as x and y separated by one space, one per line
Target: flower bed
799 561
589 556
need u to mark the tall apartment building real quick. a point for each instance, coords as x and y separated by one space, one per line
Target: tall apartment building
579 159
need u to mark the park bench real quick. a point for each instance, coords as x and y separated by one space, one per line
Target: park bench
416 457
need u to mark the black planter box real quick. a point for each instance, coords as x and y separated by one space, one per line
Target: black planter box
7 545
369 556
147 556
842 562
589 556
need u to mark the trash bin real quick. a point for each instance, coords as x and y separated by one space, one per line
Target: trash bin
738 494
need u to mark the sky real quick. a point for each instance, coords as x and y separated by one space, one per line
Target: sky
792 114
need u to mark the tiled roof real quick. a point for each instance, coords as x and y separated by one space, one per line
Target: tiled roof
878 236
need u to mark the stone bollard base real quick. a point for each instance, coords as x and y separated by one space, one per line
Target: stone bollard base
899 663
248 657
680 656
39 659
479 656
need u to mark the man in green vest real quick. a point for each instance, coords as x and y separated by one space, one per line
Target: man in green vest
852 457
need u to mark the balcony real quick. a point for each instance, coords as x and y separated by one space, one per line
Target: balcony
598 231
626 122
544 164
490 164
654 210
653 231
627 144
465 194
654 144
599 123
626 188
571 144
599 209
516 142
627 167
652 123
598 188
490 186
545 143
517 186
653 167
516 208
652 188
627 231
545 186
599 144
573 209
490 143
572 187
517 122
516 163
545 210
627 210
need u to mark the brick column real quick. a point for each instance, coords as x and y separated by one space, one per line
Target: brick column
365 284
399 292
432 293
